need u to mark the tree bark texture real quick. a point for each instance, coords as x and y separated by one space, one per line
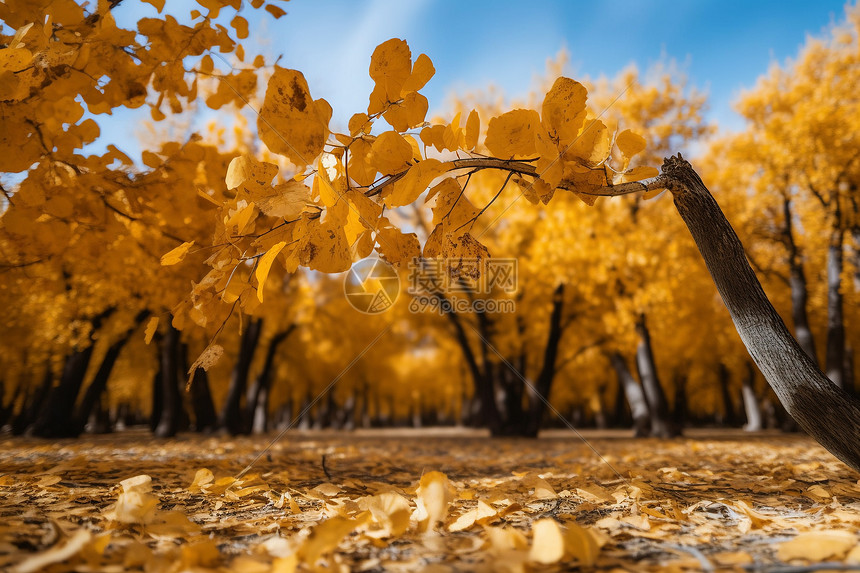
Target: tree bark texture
824 410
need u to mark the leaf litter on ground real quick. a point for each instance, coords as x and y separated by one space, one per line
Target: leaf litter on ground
389 501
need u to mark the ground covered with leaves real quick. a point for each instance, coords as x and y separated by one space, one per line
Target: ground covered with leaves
428 501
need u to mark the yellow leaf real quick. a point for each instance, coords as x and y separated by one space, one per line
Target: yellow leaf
814 546
15 59
290 122
241 26
592 145
201 478
264 265
327 536
396 247
473 130
432 502
56 554
422 71
512 134
359 123
465 254
325 248
390 511
547 542
275 11
639 173
211 355
580 544
407 113
390 67
390 153
246 171
286 200
159 4
630 143
414 183
151 327
135 504
176 255
563 110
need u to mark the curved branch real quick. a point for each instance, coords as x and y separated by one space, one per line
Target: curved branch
523 168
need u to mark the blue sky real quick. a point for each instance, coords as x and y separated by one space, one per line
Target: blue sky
723 46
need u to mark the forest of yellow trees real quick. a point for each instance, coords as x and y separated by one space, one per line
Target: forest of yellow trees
182 290
614 319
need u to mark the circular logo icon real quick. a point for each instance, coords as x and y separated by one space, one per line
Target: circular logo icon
371 286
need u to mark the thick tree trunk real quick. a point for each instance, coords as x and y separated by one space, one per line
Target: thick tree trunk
33 403
751 405
54 419
231 417
823 409
539 393
96 389
797 283
658 406
635 397
171 400
835 362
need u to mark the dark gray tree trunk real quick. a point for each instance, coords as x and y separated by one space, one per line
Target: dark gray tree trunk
835 362
202 406
232 418
55 417
171 413
823 409
257 400
93 395
539 394
658 407
635 396
724 378
797 283
33 402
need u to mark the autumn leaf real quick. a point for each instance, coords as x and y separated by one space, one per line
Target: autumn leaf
263 266
291 123
177 255
563 110
512 134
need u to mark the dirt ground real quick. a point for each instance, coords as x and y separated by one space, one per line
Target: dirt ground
443 500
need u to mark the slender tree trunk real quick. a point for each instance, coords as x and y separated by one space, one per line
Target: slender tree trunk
635 396
751 405
484 392
823 409
231 417
171 406
835 363
539 395
202 406
797 283
257 399
681 411
658 406
724 376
